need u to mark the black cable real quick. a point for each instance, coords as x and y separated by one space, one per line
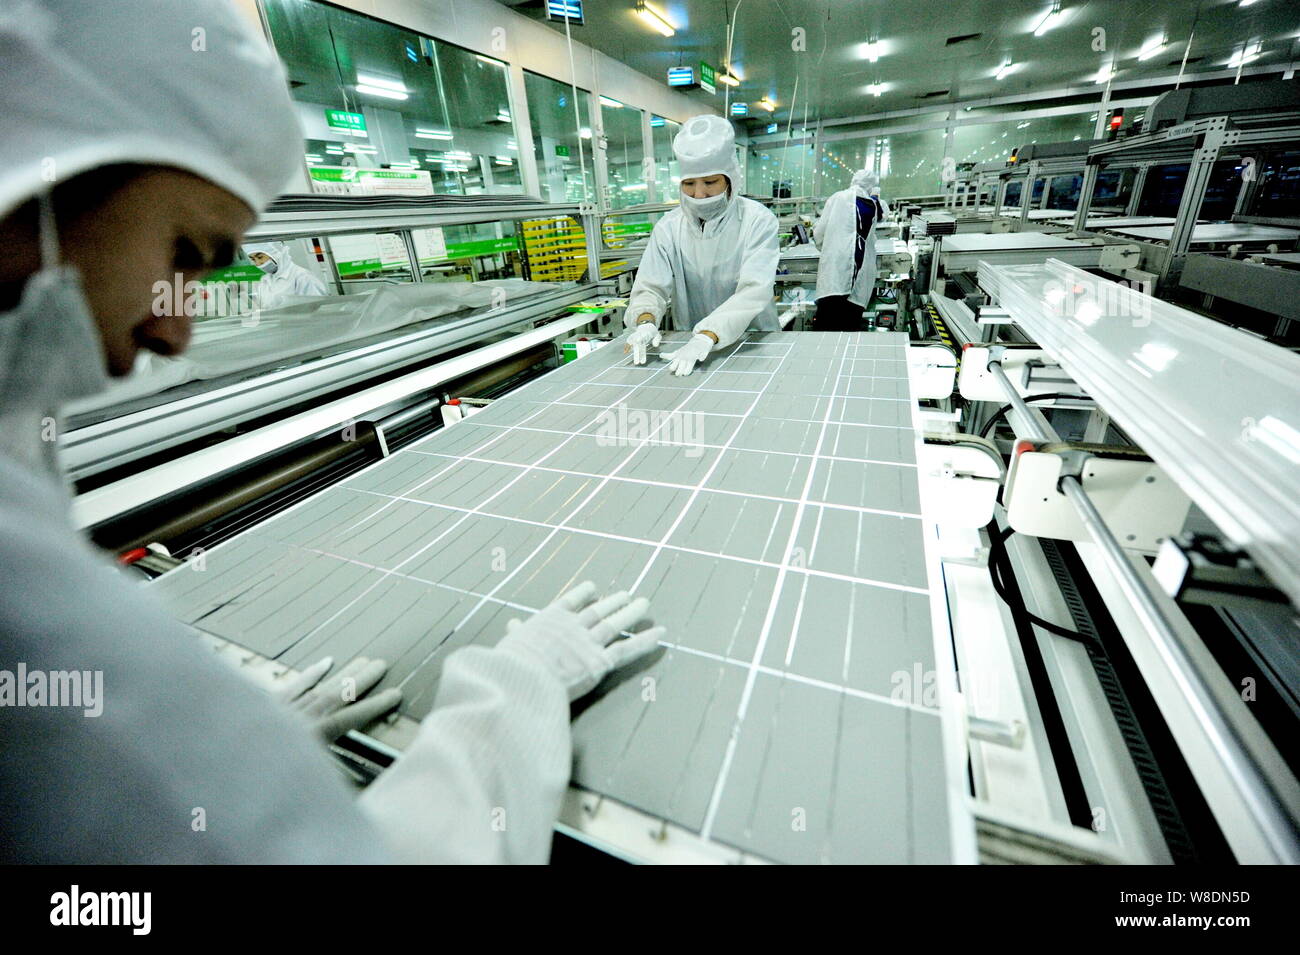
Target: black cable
1054 396
999 561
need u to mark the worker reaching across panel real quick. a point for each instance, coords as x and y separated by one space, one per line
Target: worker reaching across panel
712 260
846 272
152 132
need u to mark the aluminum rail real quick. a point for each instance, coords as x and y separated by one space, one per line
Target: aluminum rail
1255 789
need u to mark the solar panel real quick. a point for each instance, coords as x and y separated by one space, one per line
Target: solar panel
767 505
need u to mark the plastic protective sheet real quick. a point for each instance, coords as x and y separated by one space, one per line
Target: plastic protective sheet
229 345
1217 409
768 505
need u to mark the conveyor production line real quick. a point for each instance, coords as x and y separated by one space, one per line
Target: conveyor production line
801 709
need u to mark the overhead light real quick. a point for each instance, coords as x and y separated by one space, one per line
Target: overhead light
381 92
334 150
503 161
1049 19
656 122
1247 54
1105 74
875 89
654 19
1152 47
360 149
1003 70
729 78
511 144
488 60
503 115
378 86
313 156
459 156
611 103
767 104
1022 125
1246 3
871 51
442 134
585 132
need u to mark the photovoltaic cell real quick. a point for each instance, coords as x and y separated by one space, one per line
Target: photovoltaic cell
767 505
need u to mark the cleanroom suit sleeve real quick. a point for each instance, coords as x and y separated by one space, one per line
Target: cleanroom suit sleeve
304 283
484 778
652 292
760 253
824 220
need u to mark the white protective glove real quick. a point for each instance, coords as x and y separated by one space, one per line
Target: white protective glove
646 335
577 636
685 358
340 703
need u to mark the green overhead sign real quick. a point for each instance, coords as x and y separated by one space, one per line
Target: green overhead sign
561 150
708 78
340 119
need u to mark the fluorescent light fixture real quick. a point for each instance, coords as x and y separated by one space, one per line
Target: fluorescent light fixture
739 109
1246 3
767 104
656 122
1279 436
585 133
1004 69
654 19
872 50
503 161
503 115
381 92
1153 47
611 103
444 134
634 186
875 89
1247 54
511 144
313 160
360 149
488 60
771 128
729 78
459 156
312 156
1106 73
1022 125
1048 20
334 150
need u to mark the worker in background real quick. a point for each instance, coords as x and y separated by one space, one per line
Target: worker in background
127 145
846 270
713 259
283 278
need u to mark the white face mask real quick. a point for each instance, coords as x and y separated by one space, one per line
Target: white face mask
705 209
270 267
49 355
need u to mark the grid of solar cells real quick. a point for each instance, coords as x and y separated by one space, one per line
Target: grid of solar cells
768 506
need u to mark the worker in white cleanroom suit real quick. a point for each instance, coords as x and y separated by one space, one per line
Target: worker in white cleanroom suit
125 146
283 278
846 271
713 259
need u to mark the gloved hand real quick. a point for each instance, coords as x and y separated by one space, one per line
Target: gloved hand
577 636
337 705
645 335
685 358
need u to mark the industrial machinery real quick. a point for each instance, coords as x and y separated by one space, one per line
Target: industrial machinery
1015 581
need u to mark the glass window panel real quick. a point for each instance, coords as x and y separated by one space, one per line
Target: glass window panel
372 95
624 153
668 177
909 164
562 147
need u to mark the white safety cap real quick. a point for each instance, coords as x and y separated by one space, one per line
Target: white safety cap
865 183
187 85
706 146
